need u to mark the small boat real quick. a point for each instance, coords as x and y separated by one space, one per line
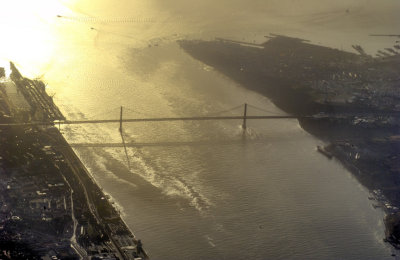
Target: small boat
324 152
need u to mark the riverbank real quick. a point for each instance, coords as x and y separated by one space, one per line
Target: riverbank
51 207
353 100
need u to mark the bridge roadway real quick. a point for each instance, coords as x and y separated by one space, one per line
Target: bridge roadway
161 119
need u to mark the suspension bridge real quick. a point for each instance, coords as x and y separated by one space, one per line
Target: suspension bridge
244 117
121 120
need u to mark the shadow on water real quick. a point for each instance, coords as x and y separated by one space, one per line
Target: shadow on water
124 145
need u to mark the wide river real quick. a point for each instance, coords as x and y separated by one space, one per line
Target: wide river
201 190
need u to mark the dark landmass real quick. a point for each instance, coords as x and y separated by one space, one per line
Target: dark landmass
50 207
351 101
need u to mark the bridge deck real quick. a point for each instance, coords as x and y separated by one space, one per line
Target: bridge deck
161 119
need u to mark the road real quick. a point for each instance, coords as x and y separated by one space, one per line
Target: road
77 168
74 244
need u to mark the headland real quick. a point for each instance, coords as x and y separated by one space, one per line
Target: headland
350 101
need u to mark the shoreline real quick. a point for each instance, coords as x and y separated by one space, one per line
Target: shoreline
111 200
115 214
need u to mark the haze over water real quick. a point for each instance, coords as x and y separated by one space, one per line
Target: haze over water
198 190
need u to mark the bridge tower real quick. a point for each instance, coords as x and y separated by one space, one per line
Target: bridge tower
244 126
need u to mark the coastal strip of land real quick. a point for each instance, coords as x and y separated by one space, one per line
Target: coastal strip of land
50 207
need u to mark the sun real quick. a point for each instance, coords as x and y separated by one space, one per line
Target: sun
28 30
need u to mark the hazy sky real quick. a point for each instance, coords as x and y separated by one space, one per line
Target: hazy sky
335 23
360 12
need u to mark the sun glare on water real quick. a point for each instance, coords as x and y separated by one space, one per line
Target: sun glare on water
29 32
